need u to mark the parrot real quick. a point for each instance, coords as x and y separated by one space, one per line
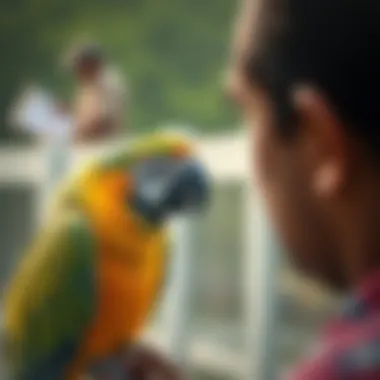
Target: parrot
93 272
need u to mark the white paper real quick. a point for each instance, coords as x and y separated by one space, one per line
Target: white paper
37 112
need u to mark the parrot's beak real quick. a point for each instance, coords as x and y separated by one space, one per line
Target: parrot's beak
189 190
183 188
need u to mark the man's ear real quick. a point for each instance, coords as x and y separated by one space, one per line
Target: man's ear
325 144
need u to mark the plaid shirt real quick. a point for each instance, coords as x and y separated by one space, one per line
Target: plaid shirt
349 347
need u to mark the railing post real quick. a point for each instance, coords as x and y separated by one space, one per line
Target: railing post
56 161
261 291
180 298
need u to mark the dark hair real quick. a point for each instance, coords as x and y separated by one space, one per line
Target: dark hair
332 44
90 52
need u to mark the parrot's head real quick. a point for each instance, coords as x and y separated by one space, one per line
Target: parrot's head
167 180
155 177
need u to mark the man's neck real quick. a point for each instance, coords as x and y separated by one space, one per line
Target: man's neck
359 230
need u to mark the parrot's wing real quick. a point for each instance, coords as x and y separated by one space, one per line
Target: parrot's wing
51 301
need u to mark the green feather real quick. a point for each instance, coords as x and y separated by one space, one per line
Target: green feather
58 297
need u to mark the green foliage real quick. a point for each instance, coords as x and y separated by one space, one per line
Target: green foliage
172 51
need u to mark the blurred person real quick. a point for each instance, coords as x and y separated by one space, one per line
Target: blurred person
306 76
100 100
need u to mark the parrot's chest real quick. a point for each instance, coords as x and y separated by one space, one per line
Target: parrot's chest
128 270
123 278
127 286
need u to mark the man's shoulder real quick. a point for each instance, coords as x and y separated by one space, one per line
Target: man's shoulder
361 360
353 355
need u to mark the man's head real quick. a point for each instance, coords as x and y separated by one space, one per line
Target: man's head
87 61
306 75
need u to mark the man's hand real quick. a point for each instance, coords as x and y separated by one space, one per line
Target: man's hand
144 363
137 363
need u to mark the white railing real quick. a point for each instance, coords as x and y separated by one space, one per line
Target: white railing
224 156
